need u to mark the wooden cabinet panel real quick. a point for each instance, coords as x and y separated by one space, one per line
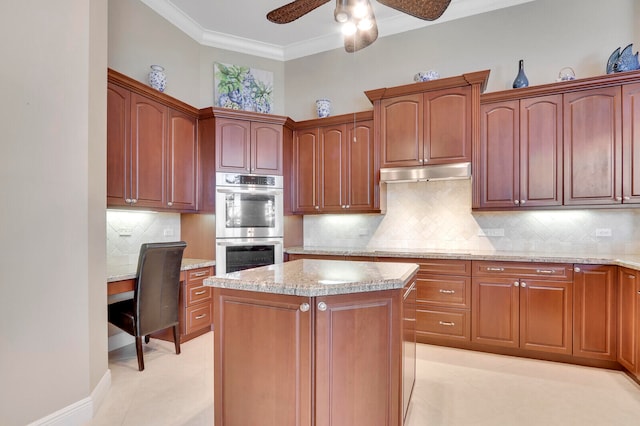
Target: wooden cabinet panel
266 148
443 323
333 163
495 311
545 316
358 334
118 145
305 171
631 143
233 145
593 146
447 126
360 170
197 318
182 161
408 345
275 323
628 319
445 290
401 131
595 307
499 165
557 271
541 151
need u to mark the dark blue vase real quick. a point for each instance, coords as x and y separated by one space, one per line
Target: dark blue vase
521 79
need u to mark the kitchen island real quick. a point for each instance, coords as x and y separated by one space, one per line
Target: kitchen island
314 342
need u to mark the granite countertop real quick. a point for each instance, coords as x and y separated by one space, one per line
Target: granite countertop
128 271
307 277
627 260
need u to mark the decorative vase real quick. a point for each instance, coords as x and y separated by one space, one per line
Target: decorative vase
323 106
426 76
157 78
521 79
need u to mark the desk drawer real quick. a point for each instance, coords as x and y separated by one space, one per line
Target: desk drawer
451 324
198 317
196 293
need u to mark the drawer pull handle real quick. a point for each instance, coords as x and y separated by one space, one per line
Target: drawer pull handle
201 316
545 271
443 291
200 274
447 323
493 269
198 293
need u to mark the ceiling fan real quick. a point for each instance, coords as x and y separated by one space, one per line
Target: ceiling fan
359 23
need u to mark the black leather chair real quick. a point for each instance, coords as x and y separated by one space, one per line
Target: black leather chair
154 306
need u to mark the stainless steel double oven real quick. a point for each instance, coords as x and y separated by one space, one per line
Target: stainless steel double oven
249 221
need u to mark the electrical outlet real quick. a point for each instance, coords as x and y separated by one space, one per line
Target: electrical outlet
603 232
168 232
125 232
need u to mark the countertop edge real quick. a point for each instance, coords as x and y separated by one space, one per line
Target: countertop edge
128 271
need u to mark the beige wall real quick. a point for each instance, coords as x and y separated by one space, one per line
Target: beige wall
52 186
547 34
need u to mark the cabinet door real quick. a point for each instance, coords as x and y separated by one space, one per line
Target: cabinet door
401 131
628 319
332 171
266 148
360 167
233 145
357 334
305 171
182 162
593 147
408 345
594 310
118 145
498 178
631 143
277 324
495 312
545 316
447 126
541 151
148 139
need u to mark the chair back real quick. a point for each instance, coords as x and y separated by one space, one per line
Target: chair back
157 288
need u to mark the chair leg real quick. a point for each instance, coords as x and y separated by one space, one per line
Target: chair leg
176 339
146 338
139 353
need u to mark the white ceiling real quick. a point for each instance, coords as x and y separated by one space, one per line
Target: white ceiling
242 26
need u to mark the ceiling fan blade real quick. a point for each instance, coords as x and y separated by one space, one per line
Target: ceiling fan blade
429 10
294 10
361 39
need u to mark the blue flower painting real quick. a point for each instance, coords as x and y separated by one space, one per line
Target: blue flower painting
243 88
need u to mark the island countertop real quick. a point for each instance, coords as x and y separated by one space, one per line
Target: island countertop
310 277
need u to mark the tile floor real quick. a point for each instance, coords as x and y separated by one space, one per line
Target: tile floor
453 387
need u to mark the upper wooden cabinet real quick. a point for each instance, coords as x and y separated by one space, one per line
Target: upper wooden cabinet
520 162
572 143
334 166
428 123
248 142
152 148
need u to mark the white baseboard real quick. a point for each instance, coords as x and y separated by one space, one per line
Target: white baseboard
81 412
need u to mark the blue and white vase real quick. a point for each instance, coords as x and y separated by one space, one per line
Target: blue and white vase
521 79
157 78
323 106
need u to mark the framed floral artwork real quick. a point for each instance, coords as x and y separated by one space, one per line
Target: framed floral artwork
242 88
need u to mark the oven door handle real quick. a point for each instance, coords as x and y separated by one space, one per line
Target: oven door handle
246 243
248 191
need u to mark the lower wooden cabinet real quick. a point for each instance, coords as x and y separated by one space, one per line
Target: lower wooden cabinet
325 360
628 319
526 311
594 314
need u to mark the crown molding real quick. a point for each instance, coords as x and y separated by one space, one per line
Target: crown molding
394 25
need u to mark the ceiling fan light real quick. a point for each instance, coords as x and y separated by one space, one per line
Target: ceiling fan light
365 24
341 12
349 28
360 10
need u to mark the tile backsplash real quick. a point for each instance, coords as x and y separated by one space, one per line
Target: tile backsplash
437 215
127 230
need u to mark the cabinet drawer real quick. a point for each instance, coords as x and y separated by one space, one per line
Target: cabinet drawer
198 317
445 290
435 266
196 293
198 275
443 323
522 270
